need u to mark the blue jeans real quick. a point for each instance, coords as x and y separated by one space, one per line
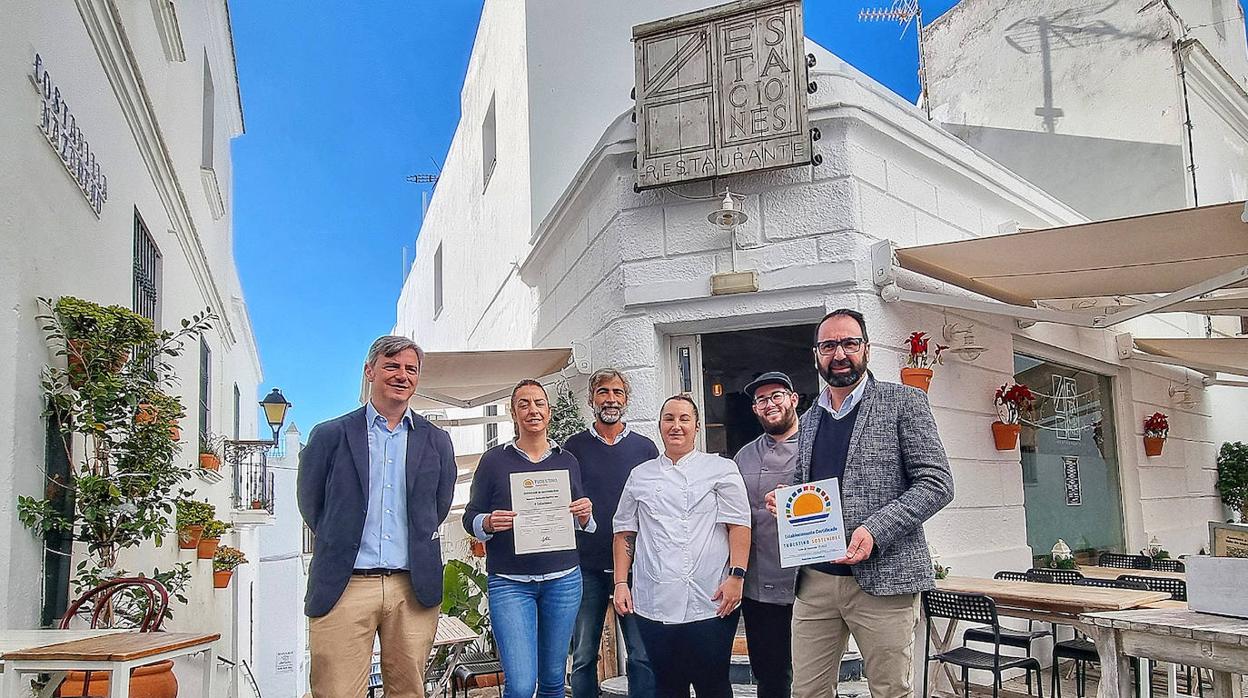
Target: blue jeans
599 586
533 625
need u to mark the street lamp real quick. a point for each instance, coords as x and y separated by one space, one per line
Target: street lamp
275 407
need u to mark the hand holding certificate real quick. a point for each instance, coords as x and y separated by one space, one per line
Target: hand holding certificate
810 523
543 521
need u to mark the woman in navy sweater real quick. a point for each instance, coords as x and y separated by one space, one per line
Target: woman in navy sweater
534 597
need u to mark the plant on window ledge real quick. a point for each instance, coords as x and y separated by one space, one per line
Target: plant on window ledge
918 370
123 469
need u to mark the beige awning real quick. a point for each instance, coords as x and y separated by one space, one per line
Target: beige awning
1215 354
476 378
1151 254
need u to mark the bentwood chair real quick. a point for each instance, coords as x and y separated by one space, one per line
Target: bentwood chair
973 608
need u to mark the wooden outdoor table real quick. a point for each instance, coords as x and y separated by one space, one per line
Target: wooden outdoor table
452 633
1047 603
1116 572
117 653
1171 635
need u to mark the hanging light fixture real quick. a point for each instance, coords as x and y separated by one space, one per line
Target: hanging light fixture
729 214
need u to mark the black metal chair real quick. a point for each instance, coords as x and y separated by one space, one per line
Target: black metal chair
1053 576
1010 637
1168 565
1176 588
472 665
1125 562
973 608
1081 649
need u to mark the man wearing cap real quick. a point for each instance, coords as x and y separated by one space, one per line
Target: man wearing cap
766 463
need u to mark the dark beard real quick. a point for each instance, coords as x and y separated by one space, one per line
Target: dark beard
779 428
843 380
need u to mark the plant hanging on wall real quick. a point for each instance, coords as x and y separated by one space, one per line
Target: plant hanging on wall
918 370
1156 428
123 475
1011 402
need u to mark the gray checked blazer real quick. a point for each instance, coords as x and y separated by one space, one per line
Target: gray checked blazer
896 477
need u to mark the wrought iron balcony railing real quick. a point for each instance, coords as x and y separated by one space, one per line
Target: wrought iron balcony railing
253 482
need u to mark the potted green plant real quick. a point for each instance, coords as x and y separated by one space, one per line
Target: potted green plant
1156 428
918 370
211 538
224 562
1011 401
1233 477
124 475
192 517
210 452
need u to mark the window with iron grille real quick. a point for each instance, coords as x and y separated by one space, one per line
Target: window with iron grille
205 389
491 428
238 399
146 272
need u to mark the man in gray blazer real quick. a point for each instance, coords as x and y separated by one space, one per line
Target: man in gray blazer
374 485
880 440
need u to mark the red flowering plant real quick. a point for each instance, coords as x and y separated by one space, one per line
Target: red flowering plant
1158 425
919 355
1012 401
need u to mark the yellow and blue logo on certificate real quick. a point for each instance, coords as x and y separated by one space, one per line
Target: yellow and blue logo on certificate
807 504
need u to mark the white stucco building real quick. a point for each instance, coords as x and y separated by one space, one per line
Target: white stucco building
535 237
150 91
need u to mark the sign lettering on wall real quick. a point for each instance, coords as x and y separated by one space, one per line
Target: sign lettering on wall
285 663
721 91
59 126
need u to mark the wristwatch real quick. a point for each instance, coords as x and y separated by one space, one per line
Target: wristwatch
738 572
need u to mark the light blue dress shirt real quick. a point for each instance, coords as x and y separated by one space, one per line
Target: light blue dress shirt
851 400
384 543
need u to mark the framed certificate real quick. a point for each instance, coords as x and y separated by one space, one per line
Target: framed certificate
543 522
810 523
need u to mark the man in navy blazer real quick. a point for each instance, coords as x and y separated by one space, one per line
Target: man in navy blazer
374 486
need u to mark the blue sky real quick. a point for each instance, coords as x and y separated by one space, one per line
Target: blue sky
342 101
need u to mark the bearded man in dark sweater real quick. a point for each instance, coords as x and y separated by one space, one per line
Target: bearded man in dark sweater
880 440
607 452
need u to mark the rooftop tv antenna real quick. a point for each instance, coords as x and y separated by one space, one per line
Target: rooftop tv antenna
905 13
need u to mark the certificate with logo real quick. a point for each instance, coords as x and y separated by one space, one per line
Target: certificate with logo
543 522
810 523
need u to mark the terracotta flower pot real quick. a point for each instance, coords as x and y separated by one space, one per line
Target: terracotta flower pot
78 370
221 578
920 378
257 504
1153 445
208 547
188 537
477 548
148 681
1005 435
175 432
145 415
209 461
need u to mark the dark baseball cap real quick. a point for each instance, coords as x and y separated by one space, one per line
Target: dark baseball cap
769 377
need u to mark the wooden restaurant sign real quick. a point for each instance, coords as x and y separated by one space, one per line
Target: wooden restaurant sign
721 91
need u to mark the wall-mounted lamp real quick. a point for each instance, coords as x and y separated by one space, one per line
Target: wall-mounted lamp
961 339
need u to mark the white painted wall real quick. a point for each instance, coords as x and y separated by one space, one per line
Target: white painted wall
147 136
279 625
1086 99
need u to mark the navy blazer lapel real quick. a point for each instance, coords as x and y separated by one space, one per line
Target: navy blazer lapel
357 442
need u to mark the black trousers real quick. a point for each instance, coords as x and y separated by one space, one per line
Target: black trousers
696 654
768 635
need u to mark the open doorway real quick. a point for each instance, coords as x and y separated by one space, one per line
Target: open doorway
730 360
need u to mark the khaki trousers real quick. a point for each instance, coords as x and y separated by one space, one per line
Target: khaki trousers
342 640
829 609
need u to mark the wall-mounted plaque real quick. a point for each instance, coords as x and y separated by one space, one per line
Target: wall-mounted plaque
721 91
